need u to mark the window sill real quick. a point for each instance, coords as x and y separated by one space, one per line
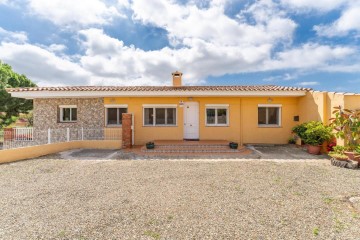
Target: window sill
113 126
159 125
68 122
269 126
217 125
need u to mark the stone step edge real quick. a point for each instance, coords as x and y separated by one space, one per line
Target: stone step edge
191 151
191 146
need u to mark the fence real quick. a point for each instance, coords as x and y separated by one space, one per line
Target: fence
1 138
24 137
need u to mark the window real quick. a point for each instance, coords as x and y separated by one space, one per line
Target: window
269 115
159 115
68 113
217 115
114 114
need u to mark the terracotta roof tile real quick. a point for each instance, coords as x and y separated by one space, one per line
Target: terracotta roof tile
160 88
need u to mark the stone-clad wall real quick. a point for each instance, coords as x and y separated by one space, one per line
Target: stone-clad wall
90 113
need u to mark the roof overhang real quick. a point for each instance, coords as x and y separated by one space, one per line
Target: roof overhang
99 94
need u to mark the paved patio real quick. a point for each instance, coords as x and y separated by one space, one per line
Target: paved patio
279 152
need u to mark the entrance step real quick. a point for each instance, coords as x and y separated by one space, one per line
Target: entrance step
192 147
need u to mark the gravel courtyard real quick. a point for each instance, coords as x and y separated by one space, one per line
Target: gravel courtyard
50 198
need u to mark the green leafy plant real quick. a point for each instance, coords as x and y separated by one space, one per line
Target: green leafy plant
300 130
346 123
317 133
10 107
338 149
338 153
338 156
316 231
357 149
291 140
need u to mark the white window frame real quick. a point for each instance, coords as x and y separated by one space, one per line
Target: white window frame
267 115
117 106
154 107
216 107
62 107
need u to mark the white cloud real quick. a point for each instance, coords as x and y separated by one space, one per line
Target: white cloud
283 77
212 24
74 13
308 83
318 5
309 56
348 21
208 43
109 58
57 48
42 66
9 36
124 3
107 61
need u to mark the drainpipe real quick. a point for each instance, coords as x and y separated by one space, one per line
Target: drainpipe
241 123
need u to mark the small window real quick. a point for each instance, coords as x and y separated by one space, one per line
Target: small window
217 116
159 116
68 113
269 115
114 115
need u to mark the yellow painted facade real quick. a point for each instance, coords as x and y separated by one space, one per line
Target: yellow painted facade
243 116
243 119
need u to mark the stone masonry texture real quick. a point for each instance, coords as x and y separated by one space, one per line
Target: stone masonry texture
90 113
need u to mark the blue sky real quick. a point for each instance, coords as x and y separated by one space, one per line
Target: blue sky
215 42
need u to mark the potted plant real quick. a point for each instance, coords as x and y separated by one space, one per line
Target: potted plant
150 145
300 130
315 135
233 145
346 123
357 153
338 153
292 140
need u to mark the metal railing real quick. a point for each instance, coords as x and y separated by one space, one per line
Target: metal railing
23 134
1 138
24 137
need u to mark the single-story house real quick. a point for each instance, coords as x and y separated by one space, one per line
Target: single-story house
243 114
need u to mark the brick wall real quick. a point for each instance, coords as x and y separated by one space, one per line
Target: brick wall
126 130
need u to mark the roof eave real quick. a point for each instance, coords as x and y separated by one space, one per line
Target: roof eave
99 94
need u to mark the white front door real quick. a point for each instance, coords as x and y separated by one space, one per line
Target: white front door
191 120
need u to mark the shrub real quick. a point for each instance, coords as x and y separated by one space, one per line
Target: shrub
317 133
338 149
357 149
291 140
338 156
346 123
300 130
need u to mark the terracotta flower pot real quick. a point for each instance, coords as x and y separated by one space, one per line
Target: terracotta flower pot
313 149
351 155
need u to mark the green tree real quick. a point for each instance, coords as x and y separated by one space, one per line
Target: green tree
10 107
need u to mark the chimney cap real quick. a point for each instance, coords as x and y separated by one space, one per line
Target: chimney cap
177 73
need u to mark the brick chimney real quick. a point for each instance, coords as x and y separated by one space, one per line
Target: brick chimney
177 79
